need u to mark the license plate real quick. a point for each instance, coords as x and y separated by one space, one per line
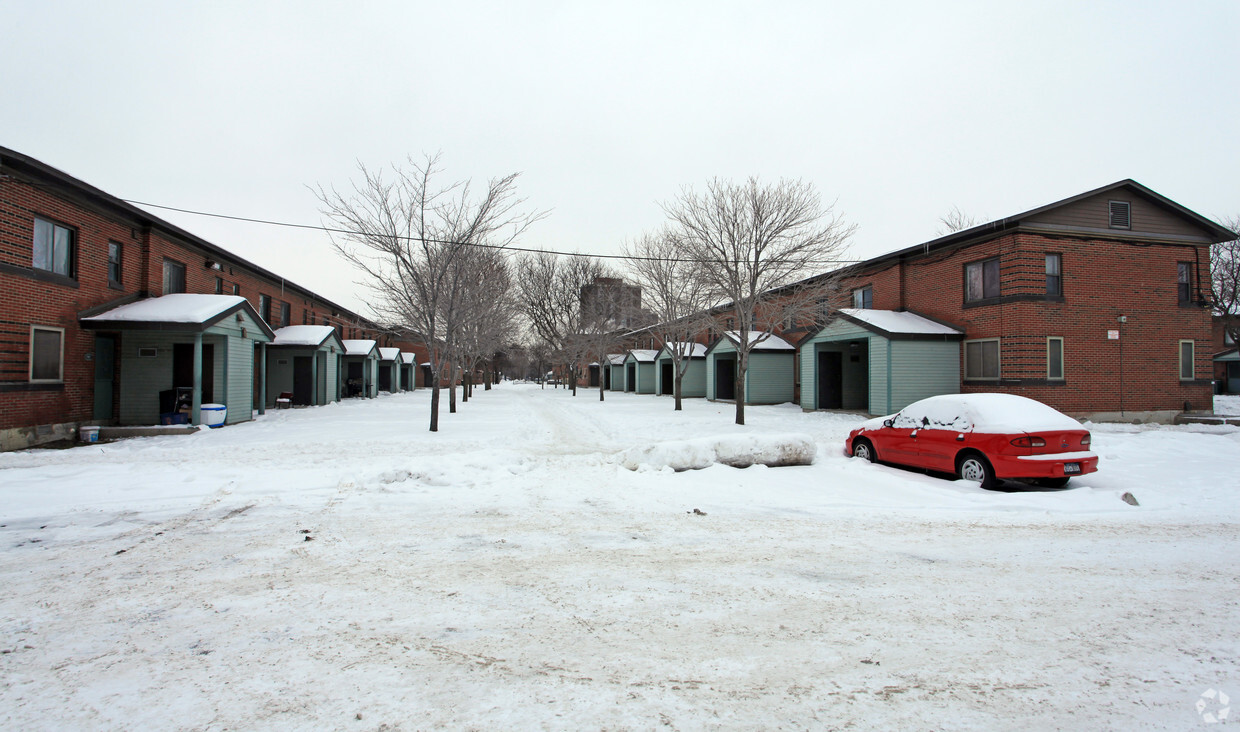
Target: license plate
1071 467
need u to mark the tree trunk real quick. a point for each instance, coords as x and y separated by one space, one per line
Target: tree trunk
452 391
601 381
465 377
742 363
435 406
676 388
486 380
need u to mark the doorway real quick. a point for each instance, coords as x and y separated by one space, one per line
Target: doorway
830 380
725 378
303 380
105 375
630 377
666 382
183 368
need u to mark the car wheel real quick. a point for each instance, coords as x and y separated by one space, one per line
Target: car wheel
864 450
975 468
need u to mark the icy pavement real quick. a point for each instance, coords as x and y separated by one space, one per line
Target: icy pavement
340 567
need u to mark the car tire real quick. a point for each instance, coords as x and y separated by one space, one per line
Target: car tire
973 467
864 449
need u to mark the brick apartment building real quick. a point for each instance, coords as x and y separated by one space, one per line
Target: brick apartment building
1096 305
69 251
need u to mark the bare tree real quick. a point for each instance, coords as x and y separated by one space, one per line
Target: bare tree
1225 279
489 318
406 236
755 246
550 296
955 220
677 298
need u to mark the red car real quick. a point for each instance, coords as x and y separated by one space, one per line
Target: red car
983 438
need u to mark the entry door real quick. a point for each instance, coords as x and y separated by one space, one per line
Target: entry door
666 380
303 380
385 377
105 373
725 378
183 368
630 381
830 380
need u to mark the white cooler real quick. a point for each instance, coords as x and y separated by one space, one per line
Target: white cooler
213 415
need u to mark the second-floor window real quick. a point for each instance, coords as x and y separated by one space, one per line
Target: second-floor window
236 289
863 297
1184 283
981 280
219 285
53 247
285 314
114 263
174 277
264 308
1054 274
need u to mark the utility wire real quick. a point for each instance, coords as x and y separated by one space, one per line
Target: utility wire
480 245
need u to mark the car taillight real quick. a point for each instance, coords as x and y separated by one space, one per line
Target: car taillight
1085 439
1029 442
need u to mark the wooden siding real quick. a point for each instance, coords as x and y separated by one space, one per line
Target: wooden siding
921 369
837 330
239 391
693 384
143 378
645 378
880 371
770 378
1094 213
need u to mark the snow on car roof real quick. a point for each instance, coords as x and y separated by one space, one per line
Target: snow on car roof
984 413
686 348
769 341
358 348
389 354
643 354
177 308
302 335
892 321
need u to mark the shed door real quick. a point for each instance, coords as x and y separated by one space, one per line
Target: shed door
666 381
183 368
725 378
105 371
830 380
303 380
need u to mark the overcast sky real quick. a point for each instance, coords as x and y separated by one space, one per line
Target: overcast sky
896 111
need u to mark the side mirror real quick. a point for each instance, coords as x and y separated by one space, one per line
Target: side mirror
888 422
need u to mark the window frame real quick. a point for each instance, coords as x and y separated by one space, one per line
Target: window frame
1184 283
1058 276
1050 376
184 276
60 365
219 285
118 264
286 314
981 265
998 359
866 294
71 263
264 308
237 288
1192 359
1111 210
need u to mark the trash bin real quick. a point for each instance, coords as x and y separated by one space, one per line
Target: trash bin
213 415
89 434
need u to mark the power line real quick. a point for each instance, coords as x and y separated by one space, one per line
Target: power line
332 230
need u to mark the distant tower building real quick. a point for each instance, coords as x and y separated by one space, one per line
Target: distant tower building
613 299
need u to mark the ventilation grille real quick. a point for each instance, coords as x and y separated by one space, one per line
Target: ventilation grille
1121 217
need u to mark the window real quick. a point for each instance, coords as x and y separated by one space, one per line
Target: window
236 289
53 247
1188 371
219 285
1054 274
981 359
1184 283
729 324
1054 358
174 277
1119 214
305 317
863 297
285 315
264 308
47 354
981 280
114 263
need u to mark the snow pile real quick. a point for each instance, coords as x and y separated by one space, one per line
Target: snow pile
738 451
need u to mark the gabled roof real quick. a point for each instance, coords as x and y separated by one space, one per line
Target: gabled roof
898 323
1230 355
389 354
761 340
408 358
615 359
685 349
641 355
315 336
183 312
361 348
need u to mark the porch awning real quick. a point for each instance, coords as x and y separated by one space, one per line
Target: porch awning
182 312
361 348
306 336
900 324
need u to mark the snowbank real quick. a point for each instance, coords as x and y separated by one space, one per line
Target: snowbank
738 451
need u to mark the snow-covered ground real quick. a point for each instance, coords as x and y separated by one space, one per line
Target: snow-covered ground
341 567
